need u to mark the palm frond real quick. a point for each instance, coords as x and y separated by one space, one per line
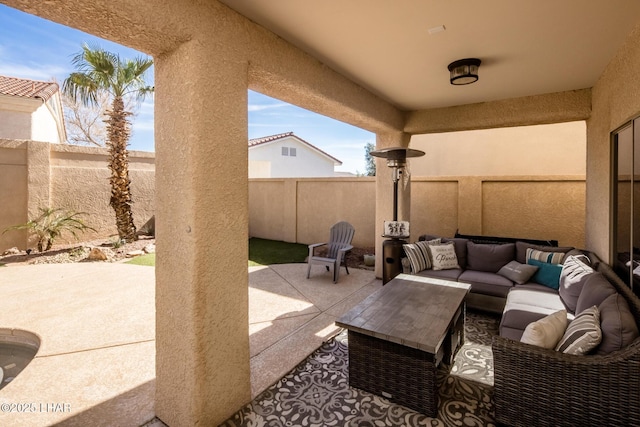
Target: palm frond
51 224
98 70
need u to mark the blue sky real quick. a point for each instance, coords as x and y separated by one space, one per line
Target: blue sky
43 51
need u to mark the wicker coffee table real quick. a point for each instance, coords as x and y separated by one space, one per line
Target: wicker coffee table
399 335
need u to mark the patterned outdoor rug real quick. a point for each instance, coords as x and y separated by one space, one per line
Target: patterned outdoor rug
317 393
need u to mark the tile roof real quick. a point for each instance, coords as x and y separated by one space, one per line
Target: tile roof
27 88
265 139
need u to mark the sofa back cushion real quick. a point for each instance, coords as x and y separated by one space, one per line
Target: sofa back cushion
489 257
521 250
619 328
575 271
595 290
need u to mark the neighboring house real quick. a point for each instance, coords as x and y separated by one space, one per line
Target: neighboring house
31 109
287 156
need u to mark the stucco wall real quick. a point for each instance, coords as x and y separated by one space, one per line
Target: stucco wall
35 175
28 119
43 125
322 203
616 99
303 210
551 149
13 192
15 124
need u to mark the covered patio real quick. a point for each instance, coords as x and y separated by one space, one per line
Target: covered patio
542 63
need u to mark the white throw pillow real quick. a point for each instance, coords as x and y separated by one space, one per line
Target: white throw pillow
547 331
444 256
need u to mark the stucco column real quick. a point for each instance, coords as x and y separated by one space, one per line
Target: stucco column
202 328
384 191
470 205
38 182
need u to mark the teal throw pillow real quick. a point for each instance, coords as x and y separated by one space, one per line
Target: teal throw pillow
548 274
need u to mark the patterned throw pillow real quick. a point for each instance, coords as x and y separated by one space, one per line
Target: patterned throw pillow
418 254
444 256
583 333
575 272
550 257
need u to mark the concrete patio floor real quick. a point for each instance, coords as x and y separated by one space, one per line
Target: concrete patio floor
96 322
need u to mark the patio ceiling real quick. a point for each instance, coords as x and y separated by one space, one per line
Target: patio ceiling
527 47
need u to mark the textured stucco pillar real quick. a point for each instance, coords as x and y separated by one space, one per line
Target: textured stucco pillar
290 209
384 191
38 182
202 336
470 205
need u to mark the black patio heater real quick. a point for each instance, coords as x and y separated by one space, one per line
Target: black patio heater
396 232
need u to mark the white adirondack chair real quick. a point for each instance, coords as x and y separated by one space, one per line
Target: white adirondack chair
339 243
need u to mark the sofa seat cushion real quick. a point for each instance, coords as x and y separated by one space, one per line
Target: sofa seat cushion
486 283
526 304
451 274
537 287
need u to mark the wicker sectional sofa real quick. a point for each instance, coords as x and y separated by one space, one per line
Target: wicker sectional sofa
536 386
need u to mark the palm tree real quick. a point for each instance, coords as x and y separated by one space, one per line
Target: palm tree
99 72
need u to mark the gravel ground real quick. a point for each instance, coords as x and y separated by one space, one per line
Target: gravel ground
78 252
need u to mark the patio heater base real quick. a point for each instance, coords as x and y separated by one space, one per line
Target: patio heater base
392 252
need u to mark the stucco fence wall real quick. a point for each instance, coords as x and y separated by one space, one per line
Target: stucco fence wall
36 175
539 207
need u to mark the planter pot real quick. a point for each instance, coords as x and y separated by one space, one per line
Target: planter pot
369 260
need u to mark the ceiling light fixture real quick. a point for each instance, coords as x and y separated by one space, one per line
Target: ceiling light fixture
464 71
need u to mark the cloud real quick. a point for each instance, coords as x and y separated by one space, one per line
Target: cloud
42 72
262 107
142 125
146 107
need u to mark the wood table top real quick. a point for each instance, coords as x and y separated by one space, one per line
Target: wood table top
413 311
